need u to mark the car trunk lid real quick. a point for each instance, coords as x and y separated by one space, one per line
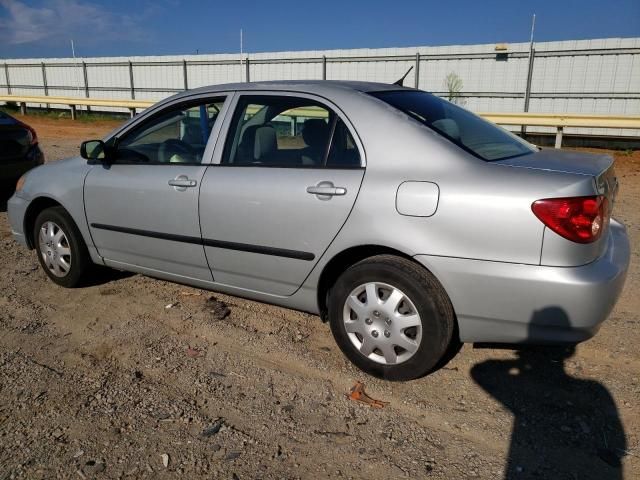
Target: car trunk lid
598 166
596 174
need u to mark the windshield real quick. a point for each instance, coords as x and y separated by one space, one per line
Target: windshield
470 132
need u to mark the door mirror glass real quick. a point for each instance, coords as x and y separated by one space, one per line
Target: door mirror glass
93 150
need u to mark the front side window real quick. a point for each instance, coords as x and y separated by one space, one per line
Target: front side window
177 135
275 131
475 135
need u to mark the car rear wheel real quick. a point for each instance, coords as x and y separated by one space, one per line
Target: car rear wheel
391 318
61 250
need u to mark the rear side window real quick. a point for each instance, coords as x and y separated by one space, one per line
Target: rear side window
470 132
283 131
343 151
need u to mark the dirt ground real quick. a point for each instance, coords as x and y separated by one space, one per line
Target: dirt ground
133 377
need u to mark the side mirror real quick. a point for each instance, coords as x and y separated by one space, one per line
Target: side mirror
94 150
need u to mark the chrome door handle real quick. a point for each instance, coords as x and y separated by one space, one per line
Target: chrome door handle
326 189
182 182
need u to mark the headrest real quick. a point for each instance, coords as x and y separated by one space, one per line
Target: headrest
266 142
258 141
315 132
449 127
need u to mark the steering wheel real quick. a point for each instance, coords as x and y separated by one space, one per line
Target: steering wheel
172 147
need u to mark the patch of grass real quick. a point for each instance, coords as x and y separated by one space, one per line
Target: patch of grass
36 112
82 115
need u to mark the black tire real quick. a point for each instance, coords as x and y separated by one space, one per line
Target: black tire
423 290
79 256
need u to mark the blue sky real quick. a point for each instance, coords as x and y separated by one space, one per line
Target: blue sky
42 28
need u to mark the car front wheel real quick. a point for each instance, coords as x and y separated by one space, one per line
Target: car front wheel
391 317
61 250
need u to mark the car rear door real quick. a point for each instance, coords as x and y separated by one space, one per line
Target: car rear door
279 192
142 209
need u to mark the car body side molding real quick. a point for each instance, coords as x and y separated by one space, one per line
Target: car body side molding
244 247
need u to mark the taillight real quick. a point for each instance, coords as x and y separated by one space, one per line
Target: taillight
33 136
579 219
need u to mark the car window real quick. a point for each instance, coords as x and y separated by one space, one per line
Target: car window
177 135
275 131
343 151
474 134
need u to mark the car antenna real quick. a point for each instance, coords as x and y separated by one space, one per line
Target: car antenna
401 80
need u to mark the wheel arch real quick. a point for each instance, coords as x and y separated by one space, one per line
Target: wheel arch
343 260
36 206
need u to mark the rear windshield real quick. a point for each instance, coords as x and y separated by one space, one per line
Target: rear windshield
470 132
6 119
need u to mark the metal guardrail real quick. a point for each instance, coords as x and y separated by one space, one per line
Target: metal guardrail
558 121
564 120
74 102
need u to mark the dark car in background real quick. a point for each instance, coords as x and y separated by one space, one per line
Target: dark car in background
19 149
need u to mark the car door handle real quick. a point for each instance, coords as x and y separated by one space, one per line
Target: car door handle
326 189
183 182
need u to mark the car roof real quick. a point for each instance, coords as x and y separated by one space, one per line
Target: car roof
309 86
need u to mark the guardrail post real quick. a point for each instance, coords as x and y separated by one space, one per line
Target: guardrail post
417 69
131 85
247 76
324 67
132 112
184 74
6 75
559 137
73 112
23 108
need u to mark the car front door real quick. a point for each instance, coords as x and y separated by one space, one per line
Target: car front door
281 190
142 208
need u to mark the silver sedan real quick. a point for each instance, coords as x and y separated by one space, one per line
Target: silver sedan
407 222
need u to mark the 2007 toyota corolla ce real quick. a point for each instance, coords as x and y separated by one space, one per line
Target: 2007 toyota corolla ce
406 221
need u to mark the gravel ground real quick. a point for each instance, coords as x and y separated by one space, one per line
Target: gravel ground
107 381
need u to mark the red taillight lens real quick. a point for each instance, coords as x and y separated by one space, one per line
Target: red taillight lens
579 219
34 136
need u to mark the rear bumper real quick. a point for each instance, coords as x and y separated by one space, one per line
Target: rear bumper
513 303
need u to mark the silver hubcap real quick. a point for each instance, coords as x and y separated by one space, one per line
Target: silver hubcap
55 249
382 323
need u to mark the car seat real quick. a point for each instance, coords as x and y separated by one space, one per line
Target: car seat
258 145
315 134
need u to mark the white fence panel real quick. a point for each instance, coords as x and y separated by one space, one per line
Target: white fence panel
577 76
